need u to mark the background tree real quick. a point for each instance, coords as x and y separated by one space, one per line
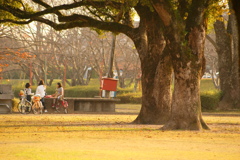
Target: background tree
236 6
212 60
226 44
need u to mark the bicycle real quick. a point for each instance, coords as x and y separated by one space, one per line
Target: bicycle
24 106
61 106
37 106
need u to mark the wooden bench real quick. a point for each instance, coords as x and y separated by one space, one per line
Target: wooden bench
81 105
6 97
4 108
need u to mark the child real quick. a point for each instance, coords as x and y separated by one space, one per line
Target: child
28 91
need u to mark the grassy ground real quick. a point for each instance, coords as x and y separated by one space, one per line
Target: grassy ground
111 136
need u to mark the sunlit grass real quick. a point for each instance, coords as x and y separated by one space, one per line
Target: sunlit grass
207 86
105 136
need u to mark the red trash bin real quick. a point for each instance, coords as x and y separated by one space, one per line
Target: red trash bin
109 84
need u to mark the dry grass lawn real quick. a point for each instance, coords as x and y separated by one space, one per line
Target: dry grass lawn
108 136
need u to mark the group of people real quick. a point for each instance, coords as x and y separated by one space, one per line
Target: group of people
41 91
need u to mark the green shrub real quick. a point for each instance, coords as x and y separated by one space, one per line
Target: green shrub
210 99
81 91
130 97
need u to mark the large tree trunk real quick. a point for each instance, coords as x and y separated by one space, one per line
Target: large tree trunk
235 60
223 41
156 71
188 64
236 6
227 64
156 92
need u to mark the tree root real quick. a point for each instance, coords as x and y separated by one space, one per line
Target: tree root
176 125
204 125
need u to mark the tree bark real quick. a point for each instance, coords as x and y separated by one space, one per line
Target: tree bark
236 74
156 92
236 6
156 72
120 77
235 60
227 64
188 64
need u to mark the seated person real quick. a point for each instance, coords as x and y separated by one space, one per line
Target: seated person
58 94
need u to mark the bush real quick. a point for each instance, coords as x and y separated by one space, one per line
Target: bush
81 91
15 102
130 98
210 99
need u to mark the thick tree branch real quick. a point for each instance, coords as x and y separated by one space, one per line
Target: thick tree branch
15 21
212 41
89 22
27 15
163 12
95 4
197 14
71 21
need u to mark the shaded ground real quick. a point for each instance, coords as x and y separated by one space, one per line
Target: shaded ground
109 136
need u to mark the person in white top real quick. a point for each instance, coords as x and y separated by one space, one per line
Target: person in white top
41 91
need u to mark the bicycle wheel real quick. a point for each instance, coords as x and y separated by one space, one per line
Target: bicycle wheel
65 106
21 108
61 109
37 108
65 110
27 107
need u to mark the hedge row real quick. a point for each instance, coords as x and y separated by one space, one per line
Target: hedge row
76 91
209 100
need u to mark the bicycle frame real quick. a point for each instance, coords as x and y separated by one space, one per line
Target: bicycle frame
60 104
24 105
37 106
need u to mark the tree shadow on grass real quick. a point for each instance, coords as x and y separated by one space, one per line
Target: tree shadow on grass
79 127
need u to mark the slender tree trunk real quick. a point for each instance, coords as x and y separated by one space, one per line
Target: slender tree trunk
120 77
136 83
51 81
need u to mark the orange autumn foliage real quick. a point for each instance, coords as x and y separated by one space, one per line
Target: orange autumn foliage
15 56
